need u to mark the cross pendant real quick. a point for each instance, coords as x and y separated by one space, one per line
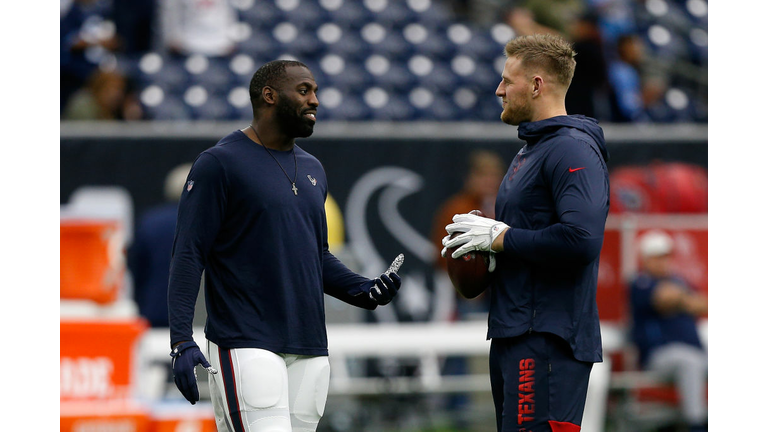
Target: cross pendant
295 189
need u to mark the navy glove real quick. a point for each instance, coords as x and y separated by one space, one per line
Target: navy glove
384 288
186 356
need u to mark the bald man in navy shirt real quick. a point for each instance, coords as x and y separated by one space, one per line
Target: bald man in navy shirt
252 216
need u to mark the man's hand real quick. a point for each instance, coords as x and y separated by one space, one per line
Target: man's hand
670 298
477 233
186 356
384 288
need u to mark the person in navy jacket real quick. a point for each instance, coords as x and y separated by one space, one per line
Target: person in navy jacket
545 245
252 216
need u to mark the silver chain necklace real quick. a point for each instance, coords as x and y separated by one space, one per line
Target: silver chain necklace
296 164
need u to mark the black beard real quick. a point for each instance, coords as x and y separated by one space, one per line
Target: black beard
290 121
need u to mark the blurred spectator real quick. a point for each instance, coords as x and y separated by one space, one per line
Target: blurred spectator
149 256
625 76
108 96
486 170
654 90
198 26
544 16
615 17
483 13
589 90
86 39
664 312
135 24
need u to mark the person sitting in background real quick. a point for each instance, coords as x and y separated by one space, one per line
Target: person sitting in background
664 312
149 256
84 40
108 96
633 92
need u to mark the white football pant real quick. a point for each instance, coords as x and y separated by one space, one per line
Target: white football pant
259 391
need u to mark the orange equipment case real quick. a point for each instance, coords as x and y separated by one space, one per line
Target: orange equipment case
92 264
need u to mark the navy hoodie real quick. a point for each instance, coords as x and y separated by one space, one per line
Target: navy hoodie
555 199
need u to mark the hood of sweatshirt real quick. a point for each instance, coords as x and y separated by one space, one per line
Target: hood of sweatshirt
532 132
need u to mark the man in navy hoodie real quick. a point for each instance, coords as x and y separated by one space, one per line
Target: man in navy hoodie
545 245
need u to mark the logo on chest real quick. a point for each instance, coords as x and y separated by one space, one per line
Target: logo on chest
312 180
516 165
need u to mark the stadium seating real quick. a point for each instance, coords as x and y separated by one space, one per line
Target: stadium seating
425 43
399 47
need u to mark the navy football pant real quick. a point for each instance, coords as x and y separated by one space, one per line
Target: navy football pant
537 385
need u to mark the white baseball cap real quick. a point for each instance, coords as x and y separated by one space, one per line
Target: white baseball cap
656 243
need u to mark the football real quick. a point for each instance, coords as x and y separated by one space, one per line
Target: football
469 273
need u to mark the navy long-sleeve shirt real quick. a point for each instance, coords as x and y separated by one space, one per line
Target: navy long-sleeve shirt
555 199
264 251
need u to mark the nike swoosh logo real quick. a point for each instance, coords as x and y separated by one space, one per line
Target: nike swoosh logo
575 169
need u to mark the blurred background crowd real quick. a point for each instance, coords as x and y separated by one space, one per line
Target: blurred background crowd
638 60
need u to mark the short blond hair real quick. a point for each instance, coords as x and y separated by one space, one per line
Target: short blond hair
550 53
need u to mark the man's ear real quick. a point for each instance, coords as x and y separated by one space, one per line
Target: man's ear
269 95
538 82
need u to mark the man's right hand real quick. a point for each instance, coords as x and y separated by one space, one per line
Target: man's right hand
186 356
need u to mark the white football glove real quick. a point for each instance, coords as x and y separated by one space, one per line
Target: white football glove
478 233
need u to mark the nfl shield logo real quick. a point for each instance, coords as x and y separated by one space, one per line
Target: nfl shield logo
190 184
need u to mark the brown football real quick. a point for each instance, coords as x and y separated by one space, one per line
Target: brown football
469 273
